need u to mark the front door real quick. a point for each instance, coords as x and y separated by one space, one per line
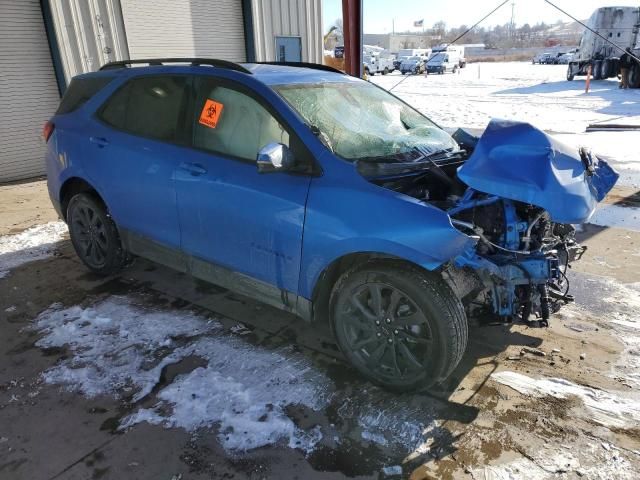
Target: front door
230 214
288 49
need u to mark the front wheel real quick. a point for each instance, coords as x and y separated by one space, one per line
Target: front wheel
570 74
94 235
401 327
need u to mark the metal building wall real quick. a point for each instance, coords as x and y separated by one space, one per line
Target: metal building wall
295 18
185 28
89 33
28 90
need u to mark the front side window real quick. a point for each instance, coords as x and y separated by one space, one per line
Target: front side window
358 120
232 123
151 107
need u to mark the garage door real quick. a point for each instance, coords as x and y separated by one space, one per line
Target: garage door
184 28
28 90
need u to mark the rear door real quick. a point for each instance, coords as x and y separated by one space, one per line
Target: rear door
230 214
136 143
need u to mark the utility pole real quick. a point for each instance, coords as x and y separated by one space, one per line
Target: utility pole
393 25
513 19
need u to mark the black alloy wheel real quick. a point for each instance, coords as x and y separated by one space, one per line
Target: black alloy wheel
401 328
94 235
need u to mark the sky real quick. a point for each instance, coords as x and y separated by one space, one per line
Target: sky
379 15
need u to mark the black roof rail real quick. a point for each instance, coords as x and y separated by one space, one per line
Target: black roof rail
162 61
315 66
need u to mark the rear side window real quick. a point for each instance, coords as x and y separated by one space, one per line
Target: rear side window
80 91
152 107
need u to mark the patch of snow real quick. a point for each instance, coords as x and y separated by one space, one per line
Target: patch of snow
607 408
35 243
10 309
119 347
246 391
113 345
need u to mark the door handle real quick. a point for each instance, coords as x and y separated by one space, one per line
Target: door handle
194 169
99 141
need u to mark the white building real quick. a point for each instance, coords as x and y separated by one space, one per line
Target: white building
43 43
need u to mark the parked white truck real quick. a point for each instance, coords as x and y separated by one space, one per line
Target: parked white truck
377 60
618 25
445 59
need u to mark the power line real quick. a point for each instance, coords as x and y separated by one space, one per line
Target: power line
463 34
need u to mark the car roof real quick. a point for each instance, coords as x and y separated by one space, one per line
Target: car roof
270 74
267 73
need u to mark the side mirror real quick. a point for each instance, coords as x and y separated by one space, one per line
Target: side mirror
274 157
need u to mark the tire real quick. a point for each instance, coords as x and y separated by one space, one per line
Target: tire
385 71
596 69
633 76
570 74
94 235
605 69
417 338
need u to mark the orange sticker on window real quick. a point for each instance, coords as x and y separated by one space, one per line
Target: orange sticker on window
211 113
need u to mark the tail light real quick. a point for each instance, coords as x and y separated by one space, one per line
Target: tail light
47 130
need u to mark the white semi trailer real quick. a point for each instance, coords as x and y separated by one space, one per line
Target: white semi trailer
618 25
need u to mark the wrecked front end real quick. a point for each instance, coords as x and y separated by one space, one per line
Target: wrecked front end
517 192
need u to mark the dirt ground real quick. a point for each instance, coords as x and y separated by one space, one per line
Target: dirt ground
475 423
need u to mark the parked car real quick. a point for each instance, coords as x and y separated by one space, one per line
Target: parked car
443 63
564 58
545 58
412 65
325 196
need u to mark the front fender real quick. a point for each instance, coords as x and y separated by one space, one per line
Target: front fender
354 216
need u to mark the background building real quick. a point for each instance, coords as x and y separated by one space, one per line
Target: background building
44 43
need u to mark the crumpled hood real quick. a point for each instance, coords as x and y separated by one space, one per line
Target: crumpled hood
517 161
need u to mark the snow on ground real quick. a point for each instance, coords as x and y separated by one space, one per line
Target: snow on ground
554 462
607 408
35 243
538 94
119 347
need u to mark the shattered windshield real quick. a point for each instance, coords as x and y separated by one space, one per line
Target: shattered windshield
361 121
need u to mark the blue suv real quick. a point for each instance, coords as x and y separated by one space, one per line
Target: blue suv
323 195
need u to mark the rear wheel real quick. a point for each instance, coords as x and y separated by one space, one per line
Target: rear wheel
570 74
401 327
633 76
596 70
94 235
606 69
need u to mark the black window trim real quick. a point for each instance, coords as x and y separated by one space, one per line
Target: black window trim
187 110
183 132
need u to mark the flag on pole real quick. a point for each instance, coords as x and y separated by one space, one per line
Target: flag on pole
418 23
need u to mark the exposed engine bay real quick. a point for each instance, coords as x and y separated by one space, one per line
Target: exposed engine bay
522 221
